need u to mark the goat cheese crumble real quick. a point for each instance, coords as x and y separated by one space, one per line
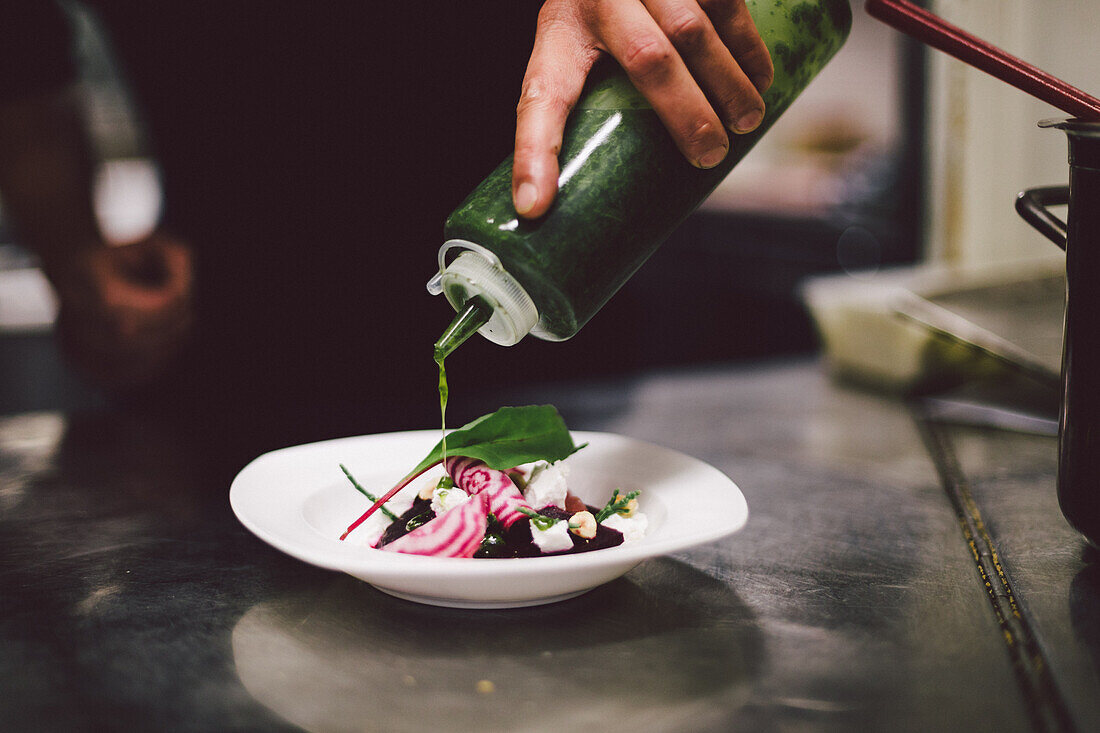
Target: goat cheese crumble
554 539
444 499
546 485
632 528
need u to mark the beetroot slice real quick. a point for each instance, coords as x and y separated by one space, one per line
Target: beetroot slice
477 479
457 532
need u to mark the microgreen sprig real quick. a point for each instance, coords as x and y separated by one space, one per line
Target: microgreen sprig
540 521
366 493
617 505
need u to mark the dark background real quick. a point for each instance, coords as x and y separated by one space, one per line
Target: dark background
723 288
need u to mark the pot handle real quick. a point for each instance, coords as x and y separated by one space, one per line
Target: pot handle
1032 206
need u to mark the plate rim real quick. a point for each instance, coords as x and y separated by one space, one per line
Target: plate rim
359 560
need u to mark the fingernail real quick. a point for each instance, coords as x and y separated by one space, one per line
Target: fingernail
762 83
750 120
712 158
526 197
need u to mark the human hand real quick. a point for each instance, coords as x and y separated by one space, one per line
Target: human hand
125 311
701 64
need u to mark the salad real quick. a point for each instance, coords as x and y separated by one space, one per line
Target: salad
503 493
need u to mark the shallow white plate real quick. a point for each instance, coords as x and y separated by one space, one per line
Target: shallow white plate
297 500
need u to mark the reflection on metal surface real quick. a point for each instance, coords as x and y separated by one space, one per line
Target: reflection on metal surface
27 446
1045 705
1011 477
1084 606
668 648
964 412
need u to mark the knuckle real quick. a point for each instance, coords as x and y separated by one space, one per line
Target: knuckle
702 135
539 93
647 57
687 30
534 154
739 101
759 62
730 106
529 154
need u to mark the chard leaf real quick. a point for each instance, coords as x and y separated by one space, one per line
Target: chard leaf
508 437
502 439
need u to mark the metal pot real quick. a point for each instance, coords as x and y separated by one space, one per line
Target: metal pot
1079 422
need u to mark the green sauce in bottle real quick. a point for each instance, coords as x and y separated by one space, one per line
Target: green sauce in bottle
623 188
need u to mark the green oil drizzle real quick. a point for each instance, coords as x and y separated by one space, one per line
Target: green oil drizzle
443 394
475 313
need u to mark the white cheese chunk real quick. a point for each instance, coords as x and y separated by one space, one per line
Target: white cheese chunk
546 486
444 499
554 539
633 528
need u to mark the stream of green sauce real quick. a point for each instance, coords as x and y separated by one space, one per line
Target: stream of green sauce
475 313
443 394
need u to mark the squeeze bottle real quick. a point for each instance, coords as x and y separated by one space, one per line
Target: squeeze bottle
623 188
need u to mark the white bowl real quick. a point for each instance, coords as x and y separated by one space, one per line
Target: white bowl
297 500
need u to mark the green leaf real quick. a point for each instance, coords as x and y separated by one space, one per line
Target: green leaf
503 439
508 437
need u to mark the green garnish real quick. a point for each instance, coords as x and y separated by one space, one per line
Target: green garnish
366 493
616 505
446 482
509 437
420 519
540 521
492 545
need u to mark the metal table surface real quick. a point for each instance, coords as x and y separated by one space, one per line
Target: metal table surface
130 597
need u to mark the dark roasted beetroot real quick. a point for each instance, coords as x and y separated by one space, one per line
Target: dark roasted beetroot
518 543
421 511
514 541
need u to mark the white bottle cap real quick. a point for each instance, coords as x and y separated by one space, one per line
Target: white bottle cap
477 271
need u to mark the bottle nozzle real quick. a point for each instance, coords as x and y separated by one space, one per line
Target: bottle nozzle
474 314
505 313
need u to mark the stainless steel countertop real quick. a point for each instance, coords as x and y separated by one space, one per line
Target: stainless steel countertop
130 597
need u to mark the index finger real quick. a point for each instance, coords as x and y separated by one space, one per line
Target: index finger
551 86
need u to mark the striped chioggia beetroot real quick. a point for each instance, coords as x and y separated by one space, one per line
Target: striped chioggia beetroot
477 479
457 532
